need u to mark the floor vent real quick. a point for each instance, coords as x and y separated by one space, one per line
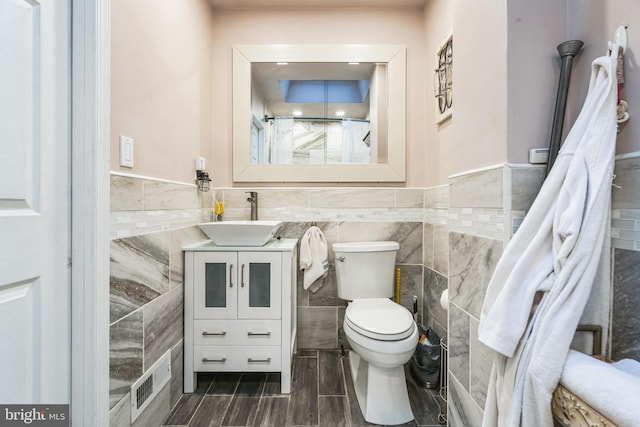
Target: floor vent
149 385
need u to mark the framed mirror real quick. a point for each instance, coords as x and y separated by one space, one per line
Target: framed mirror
319 113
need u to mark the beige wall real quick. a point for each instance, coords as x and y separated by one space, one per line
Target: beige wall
480 84
171 76
327 25
438 22
533 67
161 74
505 78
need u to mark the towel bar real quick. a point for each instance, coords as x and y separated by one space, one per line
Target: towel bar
597 337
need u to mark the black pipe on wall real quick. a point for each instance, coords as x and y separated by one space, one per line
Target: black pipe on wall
567 51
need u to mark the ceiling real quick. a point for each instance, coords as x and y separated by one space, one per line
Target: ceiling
243 4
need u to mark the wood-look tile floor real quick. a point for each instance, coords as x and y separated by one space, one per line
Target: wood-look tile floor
322 394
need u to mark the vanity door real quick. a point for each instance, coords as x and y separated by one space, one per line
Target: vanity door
259 290
215 285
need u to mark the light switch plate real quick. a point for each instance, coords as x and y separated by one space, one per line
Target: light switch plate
126 151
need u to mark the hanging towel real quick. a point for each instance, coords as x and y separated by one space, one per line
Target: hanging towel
314 258
561 253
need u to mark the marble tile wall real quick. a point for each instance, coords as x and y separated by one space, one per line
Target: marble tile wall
625 322
343 215
151 221
486 208
435 258
451 238
144 205
479 202
326 204
625 233
625 203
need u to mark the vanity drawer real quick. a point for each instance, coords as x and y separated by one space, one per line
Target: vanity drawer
236 358
236 332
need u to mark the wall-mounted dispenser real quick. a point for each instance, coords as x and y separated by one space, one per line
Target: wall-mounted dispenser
202 177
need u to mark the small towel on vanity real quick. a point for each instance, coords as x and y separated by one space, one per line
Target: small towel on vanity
314 258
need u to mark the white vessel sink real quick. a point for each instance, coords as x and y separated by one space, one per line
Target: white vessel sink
240 233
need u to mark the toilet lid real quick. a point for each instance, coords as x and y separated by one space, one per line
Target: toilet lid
379 318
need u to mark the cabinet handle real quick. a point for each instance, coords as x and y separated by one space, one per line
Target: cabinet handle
231 275
205 360
242 276
259 334
205 333
252 360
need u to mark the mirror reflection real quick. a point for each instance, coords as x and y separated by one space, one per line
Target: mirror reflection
321 156
318 113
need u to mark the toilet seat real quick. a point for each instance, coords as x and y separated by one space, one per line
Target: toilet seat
379 319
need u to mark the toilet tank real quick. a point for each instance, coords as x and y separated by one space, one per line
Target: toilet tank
365 269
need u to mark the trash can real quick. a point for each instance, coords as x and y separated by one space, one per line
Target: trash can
425 364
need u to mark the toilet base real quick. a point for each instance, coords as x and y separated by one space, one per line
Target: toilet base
381 392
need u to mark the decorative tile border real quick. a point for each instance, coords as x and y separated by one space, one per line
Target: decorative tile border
477 221
436 216
327 204
135 223
516 220
625 223
330 215
625 229
143 205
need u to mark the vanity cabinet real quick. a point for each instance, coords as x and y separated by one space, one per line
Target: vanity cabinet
240 310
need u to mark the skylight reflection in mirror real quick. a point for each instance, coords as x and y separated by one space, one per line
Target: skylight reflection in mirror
331 105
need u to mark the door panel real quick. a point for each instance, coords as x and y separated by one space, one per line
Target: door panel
34 201
19 348
19 47
215 285
260 285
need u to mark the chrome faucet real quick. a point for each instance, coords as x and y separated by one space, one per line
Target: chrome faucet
253 199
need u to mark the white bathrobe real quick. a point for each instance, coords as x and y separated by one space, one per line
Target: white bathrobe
560 251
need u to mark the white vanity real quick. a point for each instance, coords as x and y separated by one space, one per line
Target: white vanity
240 309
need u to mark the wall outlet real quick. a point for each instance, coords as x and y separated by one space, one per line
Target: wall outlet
126 151
538 156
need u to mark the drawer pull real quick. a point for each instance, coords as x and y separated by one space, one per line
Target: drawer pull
205 333
263 334
252 360
205 360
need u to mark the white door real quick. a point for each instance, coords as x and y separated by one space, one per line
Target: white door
34 201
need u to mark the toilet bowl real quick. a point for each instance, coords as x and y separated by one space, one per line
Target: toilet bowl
382 334
383 337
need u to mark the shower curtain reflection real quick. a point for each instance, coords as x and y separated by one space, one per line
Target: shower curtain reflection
355 149
318 141
282 141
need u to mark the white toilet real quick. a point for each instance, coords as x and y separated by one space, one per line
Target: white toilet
382 334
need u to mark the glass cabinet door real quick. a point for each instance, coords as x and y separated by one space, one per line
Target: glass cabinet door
259 284
215 285
259 291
